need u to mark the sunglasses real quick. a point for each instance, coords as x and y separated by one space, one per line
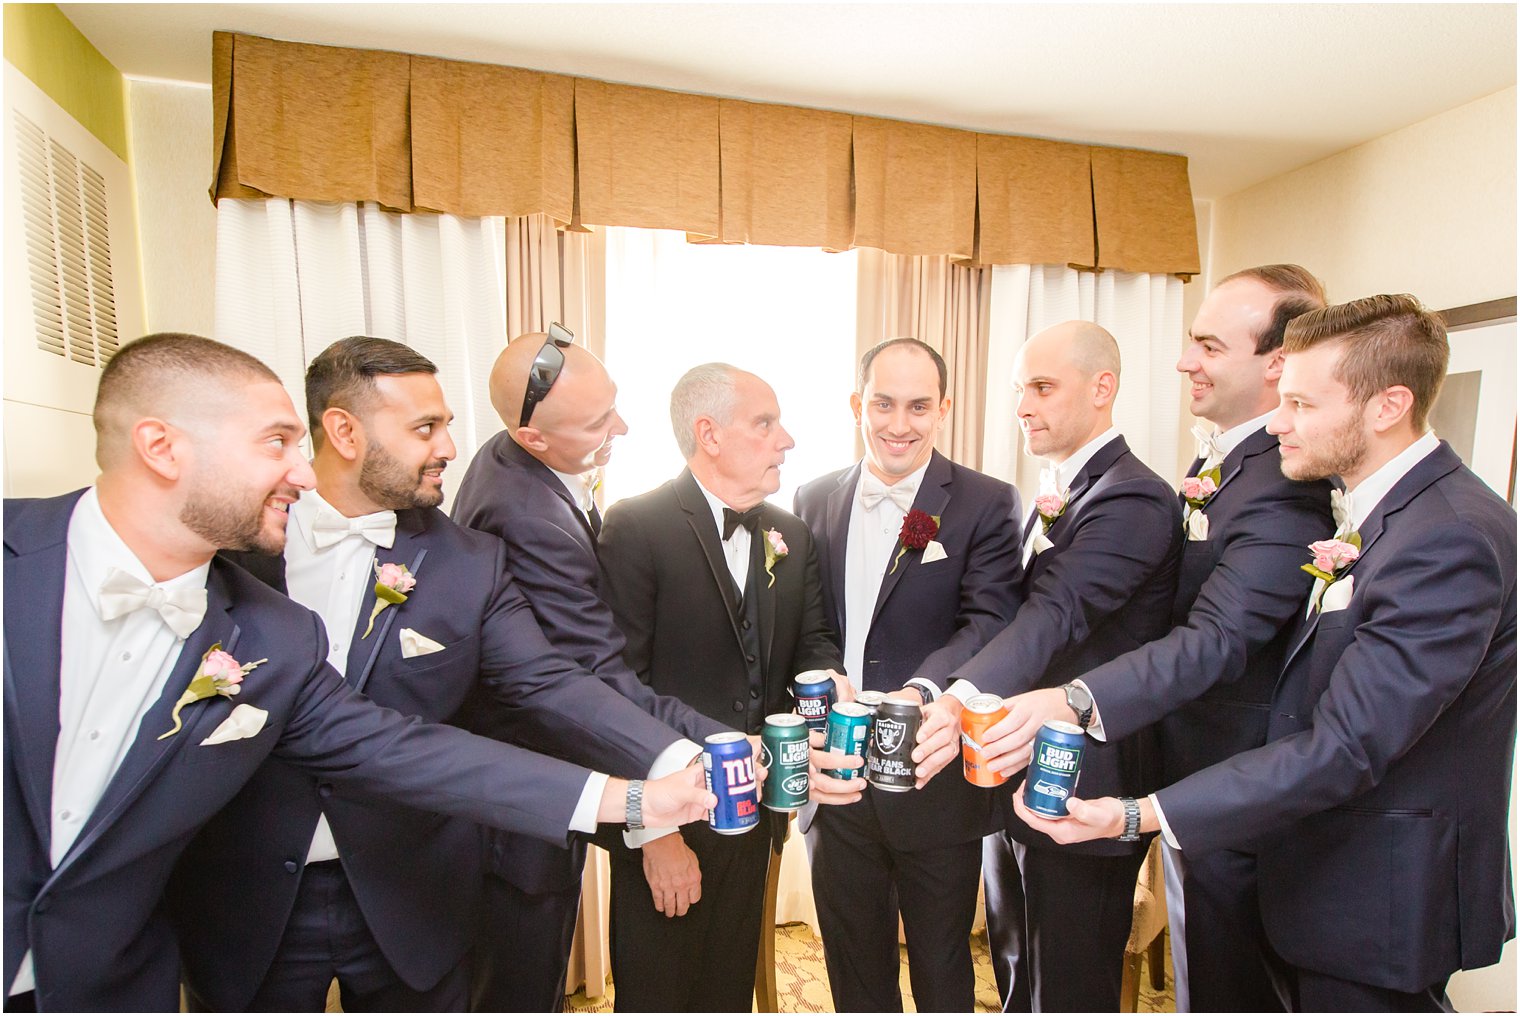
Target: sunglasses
546 369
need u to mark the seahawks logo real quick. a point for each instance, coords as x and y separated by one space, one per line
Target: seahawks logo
889 735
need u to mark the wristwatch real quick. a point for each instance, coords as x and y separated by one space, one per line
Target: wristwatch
1080 702
923 693
1131 820
635 805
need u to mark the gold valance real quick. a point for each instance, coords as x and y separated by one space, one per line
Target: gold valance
421 133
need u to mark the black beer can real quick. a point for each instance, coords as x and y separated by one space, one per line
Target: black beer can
889 759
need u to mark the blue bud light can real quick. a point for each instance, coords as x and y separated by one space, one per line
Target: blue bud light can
849 723
1054 768
814 690
729 766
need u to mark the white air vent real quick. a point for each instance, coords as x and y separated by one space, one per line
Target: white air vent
68 245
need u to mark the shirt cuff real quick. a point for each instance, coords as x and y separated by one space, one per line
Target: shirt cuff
926 684
1166 830
1095 725
583 819
962 689
673 759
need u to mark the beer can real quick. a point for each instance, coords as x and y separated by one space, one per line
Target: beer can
981 712
889 759
728 763
871 699
784 753
849 724
1054 768
814 690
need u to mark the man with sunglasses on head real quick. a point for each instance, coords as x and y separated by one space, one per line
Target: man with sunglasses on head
532 485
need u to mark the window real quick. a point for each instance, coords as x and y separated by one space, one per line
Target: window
786 314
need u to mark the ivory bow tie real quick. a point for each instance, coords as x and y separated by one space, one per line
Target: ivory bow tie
873 492
329 528
182 609
1209 448
1340 507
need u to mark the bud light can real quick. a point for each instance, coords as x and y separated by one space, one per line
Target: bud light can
980 714
849 725
871 699
729 765
889 759
1054 767
814 690
784 753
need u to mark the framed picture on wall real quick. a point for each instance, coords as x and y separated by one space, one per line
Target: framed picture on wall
1476 408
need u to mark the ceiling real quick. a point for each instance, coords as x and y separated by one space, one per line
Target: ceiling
1246 91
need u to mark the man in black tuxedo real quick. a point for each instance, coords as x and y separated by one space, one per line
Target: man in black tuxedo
1209 681
908 619
1378 809
1100 573
146 682
532 485
717 593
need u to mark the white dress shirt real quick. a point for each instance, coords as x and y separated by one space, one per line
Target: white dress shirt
868 552
110 674
736 547
579 490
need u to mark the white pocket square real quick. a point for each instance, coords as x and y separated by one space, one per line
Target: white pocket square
1337 595
1042 544
244 721
1197 525
414 643
933 551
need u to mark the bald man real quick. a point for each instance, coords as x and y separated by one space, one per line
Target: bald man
531 485
1101 550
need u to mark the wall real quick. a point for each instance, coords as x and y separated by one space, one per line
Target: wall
46 47
1428 210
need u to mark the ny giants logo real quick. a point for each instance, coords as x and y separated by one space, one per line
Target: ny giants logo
739 774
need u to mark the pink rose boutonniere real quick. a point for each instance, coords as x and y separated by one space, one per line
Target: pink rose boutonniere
1332 558
1197 490
775 550
918 530
218 674
392 583
1050 507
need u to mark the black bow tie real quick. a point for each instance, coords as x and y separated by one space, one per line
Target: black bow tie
733 520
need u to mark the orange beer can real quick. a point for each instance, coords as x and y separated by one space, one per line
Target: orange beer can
981 712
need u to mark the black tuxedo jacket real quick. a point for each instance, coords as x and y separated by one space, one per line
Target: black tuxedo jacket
96 924
929 619
1240 594
1104 587
415 874
1379 809
551 552
668 583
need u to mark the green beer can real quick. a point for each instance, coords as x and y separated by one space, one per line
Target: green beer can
784 753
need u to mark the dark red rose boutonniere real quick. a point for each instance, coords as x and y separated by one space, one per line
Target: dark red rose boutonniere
918 531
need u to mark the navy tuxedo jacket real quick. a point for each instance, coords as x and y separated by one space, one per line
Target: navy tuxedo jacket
415 874
1379 809
551 552
1240 595
1104 587
668 583
929 619
96 924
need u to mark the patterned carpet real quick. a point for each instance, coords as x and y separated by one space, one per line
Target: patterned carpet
803 983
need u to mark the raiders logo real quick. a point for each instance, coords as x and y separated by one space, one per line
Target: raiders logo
889 735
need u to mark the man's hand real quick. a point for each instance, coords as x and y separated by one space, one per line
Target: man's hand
673 874
669 801
844 691
1010 740
1102 819
827 789
939 737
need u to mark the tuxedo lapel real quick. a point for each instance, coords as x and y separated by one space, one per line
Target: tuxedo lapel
837 512
408 550
699 519
546 476
1256 443
933 495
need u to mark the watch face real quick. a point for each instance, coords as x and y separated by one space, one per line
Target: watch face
1078 698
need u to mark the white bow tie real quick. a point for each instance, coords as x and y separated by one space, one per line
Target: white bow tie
1340 507
329 528
1209 448
873 492
1050 479
182 609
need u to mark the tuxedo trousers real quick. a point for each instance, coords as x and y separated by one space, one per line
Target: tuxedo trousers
1225 963
861 883
1057 924
703 961
522 953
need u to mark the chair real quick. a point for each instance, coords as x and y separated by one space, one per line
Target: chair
1147 933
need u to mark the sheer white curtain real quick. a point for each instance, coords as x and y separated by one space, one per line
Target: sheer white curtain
1144 313
292 277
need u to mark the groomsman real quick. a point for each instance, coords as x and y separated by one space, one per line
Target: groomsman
717 593
1100 573
532 485
910 616
386 896
1209 681
209 673
1378 809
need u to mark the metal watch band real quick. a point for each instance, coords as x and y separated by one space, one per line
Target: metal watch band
923 693
1131 820
635 805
